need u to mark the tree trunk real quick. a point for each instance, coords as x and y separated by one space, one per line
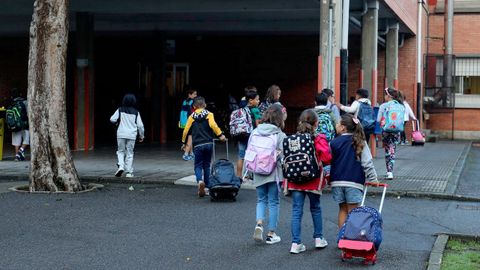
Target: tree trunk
52 167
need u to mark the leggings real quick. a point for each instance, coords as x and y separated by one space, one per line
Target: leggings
390 141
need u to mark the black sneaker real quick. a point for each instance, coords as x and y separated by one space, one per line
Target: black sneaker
21 154
119 172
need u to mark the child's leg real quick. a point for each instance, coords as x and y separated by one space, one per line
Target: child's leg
298 199
262 200
207 155
342 214
130 145
390 144
121 151
316 212
273 207
198 163
242 146
188 146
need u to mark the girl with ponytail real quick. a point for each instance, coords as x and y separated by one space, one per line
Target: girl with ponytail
352 165
308 123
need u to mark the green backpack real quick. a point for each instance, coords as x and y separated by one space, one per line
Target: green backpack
16 116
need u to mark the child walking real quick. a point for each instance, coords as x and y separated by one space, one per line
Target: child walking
352 165
186 110
202 126
390 138
312 189
129 126
267 186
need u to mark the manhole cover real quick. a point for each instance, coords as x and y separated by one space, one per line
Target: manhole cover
468 207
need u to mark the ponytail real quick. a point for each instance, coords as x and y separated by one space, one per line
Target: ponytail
307 121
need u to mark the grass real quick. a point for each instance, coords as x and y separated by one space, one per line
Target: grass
461 254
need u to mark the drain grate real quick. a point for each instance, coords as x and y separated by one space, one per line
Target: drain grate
468 207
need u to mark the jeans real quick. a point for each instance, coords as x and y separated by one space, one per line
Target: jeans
125 154
298 199
267 196
203 158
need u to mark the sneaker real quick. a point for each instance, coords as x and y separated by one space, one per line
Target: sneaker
21 153
18 157
186 157
119 172
201 189
389 176
297 248
320 242
192 156
258 233
272 239
129 175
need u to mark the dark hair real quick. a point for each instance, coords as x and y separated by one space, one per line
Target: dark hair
129 100
395 94
199 102
306 122
358 138
328 91
250 88
321 99
250 94
271 93
274 115
189 89
362 92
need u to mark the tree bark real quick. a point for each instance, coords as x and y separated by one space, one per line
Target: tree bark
52 167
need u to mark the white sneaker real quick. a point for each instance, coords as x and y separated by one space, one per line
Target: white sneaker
389 176
258 233
129 175
320 242
297 248
272 239
119 172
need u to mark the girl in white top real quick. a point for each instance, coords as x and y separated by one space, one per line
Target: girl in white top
408 114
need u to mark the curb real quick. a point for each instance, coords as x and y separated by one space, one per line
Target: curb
453 179
436 256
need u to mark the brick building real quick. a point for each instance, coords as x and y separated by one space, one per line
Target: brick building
153 48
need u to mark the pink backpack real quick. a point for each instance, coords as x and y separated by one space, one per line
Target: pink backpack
261 153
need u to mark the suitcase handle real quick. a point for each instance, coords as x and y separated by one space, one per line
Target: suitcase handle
415 127
226 143
375 184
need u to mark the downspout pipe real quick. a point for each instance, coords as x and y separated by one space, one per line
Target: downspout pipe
330 44
419 60
344 52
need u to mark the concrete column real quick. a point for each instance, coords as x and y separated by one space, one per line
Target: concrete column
84 83
337 44
369 49
392 56
323 53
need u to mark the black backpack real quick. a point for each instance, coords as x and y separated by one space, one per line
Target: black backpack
300 162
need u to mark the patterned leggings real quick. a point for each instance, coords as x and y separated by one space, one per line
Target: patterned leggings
390 141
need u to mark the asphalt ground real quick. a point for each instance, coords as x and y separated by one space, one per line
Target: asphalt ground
169 227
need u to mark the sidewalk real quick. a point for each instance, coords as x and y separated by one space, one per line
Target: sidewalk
433 169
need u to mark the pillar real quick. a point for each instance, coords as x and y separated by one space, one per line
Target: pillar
369 58
392 56
84 83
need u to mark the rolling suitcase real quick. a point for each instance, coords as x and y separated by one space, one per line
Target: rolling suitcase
418 137
361 235
224 184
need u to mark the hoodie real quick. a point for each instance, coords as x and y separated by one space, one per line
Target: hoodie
277 175
129 123
201 124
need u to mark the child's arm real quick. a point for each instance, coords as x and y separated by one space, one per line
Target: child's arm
367 164
350 109
213 125
140 127
323 149
114 117
187 129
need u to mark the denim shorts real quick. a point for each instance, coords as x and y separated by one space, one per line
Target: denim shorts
242 147
347 195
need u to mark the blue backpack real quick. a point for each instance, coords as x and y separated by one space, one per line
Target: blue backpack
366 116
363 224
394 117
185 112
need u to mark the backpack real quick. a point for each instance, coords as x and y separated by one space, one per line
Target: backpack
16 116
366 116
393 117
184 114
223 174
300 162
363 224
241 122
326 125
261 153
